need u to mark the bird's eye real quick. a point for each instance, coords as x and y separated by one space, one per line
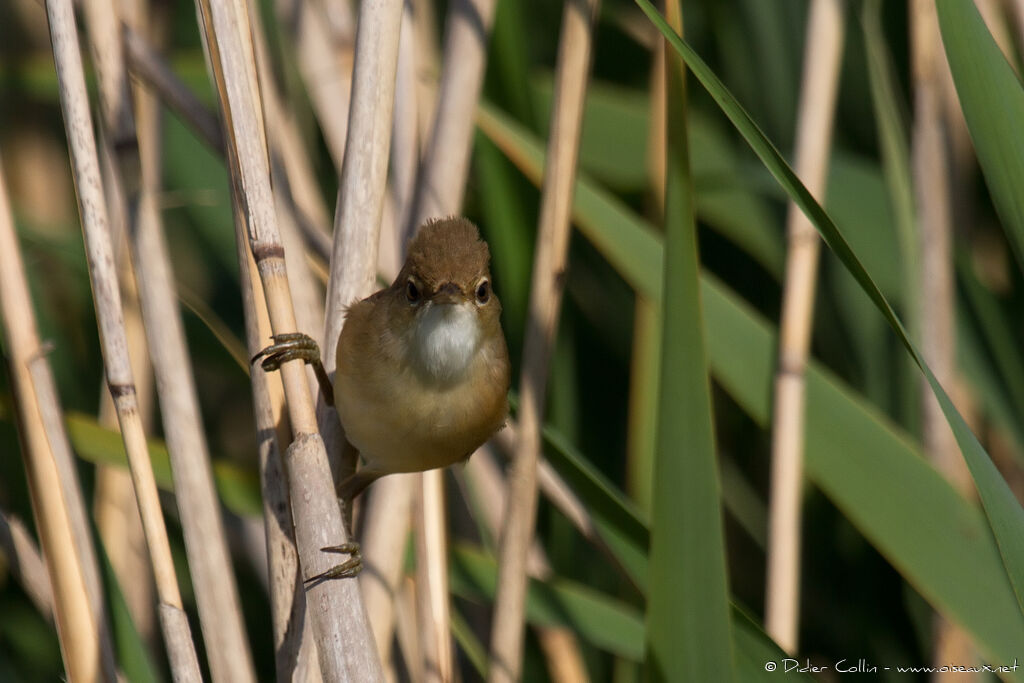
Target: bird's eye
412 292
483 292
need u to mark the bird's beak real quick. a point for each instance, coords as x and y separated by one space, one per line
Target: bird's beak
448 293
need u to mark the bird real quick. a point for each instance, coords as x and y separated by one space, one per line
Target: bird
423 370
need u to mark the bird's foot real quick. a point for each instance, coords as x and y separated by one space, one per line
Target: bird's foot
347 569
296 346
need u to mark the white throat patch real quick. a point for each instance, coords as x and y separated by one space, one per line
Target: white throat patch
445 340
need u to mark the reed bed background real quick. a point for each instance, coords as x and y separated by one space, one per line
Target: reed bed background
682 493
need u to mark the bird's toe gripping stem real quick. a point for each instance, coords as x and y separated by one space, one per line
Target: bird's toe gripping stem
296 346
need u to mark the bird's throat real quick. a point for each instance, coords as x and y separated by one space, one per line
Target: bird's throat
445 340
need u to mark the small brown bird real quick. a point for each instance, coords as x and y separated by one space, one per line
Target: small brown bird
423 370
422 367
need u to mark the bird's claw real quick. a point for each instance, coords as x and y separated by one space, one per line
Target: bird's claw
347 569
296 346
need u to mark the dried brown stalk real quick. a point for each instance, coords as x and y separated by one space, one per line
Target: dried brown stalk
26 563
322 38
78 123
294 647
81 621
822 56
220 611
442 176
932 193
561 649
574 50
344 642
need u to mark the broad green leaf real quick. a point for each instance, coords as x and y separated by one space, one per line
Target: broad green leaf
958 571
688 636
130 650
1004 512
610 624
992 100
238 488
998 350
621 526
603 621
878 479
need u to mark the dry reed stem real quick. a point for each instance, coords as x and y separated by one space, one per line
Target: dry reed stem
198 508
932 194
26 564
822 59
344 642
387 514
406 630
559 644
147 65
440 188
442 175
384 533
432 579
325 65
575 44
405 142
114 508
363 177
78 123
294 648
295 184
81 624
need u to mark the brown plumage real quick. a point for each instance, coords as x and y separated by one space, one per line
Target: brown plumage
423 370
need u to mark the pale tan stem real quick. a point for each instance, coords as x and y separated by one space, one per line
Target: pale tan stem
932 199
81 624
575 43
146 65
822 59
26 564
344 643
439 191
560 646
387 514
385 530
363 180
432 580
441 184
325 64
99 252
294 648
220 613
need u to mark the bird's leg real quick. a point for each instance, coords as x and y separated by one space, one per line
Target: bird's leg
296 346
354 564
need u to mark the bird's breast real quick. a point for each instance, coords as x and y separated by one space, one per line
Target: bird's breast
405 417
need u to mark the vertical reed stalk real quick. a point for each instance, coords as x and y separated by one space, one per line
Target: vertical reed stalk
822 58
442 176
294 647
344 643
81 622
25 561
147 65
137 172
440 188
324 50
932 199
78 123
432 579
559 644
363 178
574 51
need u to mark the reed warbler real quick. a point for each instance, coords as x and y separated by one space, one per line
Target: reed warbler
422 367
